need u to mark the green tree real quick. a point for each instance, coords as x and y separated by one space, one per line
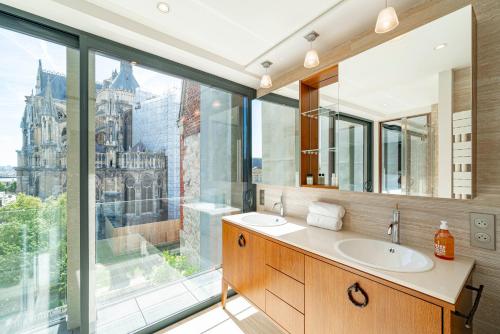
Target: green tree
28 228
12 187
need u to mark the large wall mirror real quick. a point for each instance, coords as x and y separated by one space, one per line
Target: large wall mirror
398 119
417 91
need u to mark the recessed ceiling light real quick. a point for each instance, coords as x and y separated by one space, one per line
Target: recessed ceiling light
440 46
163 7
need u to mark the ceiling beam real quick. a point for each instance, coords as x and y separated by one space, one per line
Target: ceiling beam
409 20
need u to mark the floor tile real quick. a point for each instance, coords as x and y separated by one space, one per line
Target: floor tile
168 307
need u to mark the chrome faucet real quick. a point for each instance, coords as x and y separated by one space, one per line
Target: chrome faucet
393 230
280 204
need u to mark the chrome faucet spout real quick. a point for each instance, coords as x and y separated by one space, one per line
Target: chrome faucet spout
393 229
281 206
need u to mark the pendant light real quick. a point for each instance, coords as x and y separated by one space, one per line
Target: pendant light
265 81
311 59
387 20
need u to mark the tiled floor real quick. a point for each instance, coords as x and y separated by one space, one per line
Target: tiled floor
129 315
239 317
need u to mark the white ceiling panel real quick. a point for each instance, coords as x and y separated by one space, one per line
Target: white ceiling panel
229 38
236 30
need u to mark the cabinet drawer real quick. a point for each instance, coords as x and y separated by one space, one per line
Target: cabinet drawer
285 287
285 260
285 315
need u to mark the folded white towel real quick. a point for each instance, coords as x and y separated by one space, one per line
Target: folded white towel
327 222
327 209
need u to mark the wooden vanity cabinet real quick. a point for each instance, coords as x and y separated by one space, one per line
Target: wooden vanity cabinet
329 309
306 293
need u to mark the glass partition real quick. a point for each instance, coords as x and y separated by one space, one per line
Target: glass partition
168 166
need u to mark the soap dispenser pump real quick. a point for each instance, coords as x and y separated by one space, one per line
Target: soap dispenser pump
444 243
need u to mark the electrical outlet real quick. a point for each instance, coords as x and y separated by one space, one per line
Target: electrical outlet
261 197
482 237
482 230
481 222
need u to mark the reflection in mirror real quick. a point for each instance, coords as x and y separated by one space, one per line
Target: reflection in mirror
407 157
354 148
416 89
275 136
318 129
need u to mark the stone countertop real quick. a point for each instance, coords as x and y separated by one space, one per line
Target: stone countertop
212 209
444 281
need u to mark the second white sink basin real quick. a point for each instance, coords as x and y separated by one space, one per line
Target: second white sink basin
263 220
384 255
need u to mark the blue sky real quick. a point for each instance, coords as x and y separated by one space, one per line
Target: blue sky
20 54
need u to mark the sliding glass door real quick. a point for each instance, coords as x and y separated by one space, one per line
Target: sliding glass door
39 164
168 165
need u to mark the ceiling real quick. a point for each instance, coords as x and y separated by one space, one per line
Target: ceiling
224 37
400 77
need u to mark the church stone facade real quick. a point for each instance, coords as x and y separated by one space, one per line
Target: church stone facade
41 162
131 177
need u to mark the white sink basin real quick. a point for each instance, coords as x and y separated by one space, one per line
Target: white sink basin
263 220
384 255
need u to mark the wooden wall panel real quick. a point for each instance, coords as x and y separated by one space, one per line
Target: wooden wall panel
462 89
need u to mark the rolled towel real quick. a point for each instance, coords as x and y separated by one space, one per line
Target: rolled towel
327 209
330 223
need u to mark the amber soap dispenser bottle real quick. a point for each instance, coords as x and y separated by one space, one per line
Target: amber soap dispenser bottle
444 243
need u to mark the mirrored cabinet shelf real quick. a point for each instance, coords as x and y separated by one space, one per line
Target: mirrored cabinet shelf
323 186
318 123
317 150
328 111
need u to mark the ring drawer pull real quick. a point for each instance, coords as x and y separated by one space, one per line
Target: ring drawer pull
241 240
356 288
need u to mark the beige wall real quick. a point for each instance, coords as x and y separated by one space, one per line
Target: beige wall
370 213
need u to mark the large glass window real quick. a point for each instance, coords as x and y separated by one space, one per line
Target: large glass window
39 210
168 166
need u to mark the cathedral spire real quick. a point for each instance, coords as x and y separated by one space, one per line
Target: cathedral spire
125 79
39 73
